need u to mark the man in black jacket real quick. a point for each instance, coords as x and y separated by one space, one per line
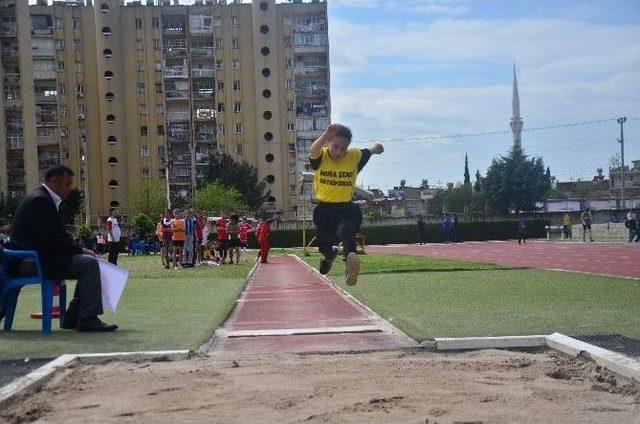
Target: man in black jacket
37 226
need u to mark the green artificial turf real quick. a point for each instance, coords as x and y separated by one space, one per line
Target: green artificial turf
490 302
160 309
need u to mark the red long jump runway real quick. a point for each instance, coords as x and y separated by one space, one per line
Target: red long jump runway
287 307
609 259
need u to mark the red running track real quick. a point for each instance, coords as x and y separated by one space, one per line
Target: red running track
610 259
286 295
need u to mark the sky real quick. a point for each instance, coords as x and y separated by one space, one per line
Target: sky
429 69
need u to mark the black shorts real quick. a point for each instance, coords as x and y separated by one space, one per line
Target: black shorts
178 243
586 226
243 244
223 245
234 243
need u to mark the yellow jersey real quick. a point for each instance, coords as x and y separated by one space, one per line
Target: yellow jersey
334 181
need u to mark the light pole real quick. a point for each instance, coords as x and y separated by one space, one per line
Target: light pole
85 160
165 160
621 121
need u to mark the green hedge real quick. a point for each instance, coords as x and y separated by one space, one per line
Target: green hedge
390 234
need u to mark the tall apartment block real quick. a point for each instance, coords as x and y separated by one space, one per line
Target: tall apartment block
124 91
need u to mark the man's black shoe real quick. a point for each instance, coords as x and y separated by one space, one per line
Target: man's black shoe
68 324
327 262
94 325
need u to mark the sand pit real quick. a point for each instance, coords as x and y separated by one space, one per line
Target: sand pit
490 386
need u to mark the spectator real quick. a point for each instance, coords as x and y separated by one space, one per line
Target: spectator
263 233
222 236
244 229
454 228
177 237
113 236
422 230
166 238
631 222
202 236
585 218
521 231
567 223
446 228
234 243
188 257
37 226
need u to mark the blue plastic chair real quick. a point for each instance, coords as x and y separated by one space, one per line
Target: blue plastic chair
11 287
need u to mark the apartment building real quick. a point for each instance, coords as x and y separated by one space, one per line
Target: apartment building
122 91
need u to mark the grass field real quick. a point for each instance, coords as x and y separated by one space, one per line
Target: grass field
160 309
442 298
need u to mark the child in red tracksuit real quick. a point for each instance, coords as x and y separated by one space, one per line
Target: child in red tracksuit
262 233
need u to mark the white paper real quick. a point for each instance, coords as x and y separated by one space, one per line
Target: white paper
113 279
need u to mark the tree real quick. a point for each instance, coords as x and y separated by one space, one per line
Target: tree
144 224
457 199
515 183
467 176
215 197
148 197
477 186
240 175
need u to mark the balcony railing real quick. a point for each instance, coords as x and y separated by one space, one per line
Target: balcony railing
310 70
15 142
176 94
201 29
321 92
10 54
42 31
175 51
203 73
46 119
41 98
8 29
44 53
203 94
178 116
202 52
176 72
173 30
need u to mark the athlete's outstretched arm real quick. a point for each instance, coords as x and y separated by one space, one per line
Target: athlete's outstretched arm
327 135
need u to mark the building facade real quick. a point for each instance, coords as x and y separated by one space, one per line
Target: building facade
125 91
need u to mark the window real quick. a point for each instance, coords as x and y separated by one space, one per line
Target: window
266 72
289 84
286 21
58 22
139 44
140 66
221 129
144 173
108 75
238 128
266 93
290 106
138 23
264 29
156 44
220 107
142 109
161 132
80 90
64 132
218 43
157 65
270 179
234 22
239 149
59 45
289 63
236 85
112 141
219 64
291 126
236 64
155 22
234 43
77 45
107 53
267 115
217 21
237 107
269 157
158 87
62 110
287 41
76 22
142 87
144 151
62 88
220 86
144 130
81 110
60 66
268 136
265 51
79 67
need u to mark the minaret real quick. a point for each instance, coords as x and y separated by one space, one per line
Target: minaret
516 120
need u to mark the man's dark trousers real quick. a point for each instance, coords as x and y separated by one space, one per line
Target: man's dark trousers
86 270
113 252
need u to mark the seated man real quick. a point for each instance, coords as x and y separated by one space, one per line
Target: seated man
37 226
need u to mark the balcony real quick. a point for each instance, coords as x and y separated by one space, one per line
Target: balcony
10 55
181 180
311 70
310 27
15 142
203 73
176 72
202 52
48 161
201 30
12 99
175 51
204 114
205 138
42 32
9 29
312 49
44 98
177 115
176 95
177 29
311 91
46 119
44 53
203 94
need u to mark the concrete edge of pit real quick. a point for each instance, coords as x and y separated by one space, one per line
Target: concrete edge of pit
38 377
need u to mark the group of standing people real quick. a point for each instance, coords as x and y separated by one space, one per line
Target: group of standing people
632 222
191 238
